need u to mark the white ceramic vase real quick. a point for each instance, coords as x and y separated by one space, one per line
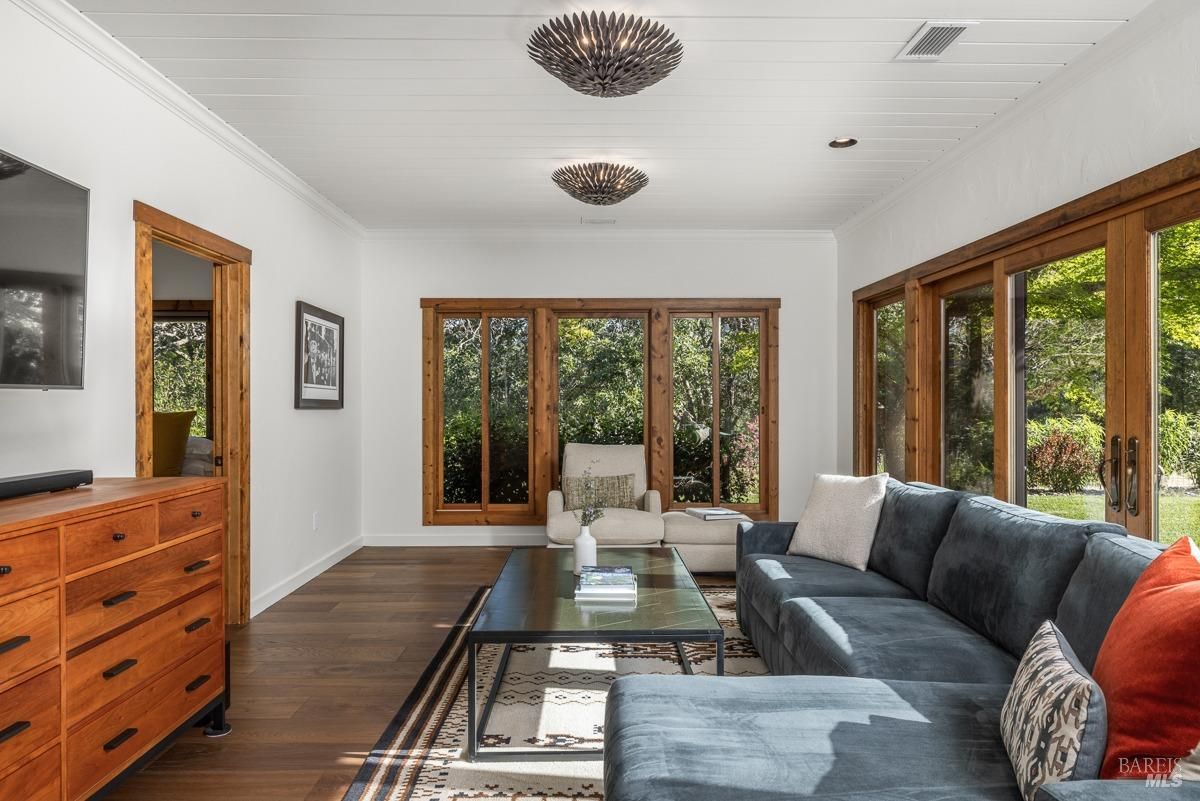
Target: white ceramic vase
585 549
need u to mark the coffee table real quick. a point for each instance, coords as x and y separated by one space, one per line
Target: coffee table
533 601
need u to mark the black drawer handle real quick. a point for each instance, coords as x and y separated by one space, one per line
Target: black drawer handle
13 730
5 570
14 643
120 598
197 624
119 740
118 536
194 566
197 683
118 669
197 514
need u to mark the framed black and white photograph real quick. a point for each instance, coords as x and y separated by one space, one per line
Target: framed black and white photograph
320 358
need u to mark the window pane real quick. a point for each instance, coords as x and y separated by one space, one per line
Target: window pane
601 380
462 430
181 371
1059 374
739 382
691 368
889 389
1178 284
967 391
508 410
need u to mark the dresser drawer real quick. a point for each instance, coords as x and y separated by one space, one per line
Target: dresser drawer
28 560
36 781
101 602
28 633
100 749
102 674
185 515
110 537
29 716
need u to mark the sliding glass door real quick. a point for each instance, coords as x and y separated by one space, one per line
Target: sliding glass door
1175 277
1059 374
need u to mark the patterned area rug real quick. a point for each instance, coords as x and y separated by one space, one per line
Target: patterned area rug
552 697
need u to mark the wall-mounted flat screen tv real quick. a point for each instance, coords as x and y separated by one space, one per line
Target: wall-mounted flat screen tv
43 274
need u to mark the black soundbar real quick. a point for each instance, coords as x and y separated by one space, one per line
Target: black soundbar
32 484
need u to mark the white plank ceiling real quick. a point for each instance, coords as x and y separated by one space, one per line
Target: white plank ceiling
428 113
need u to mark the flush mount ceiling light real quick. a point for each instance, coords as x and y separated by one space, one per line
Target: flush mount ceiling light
599 183
843 141
605 55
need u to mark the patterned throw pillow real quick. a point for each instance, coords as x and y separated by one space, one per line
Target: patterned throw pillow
1053 723
608 492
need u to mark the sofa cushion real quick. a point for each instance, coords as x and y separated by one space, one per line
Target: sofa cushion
782 738
617 527
1003 569
1053 722
1147 667
606 492
912 523
888 638
767 580
1112 790
1110 566
839 521
608 460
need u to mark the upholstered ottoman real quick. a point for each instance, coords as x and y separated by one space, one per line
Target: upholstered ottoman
706 546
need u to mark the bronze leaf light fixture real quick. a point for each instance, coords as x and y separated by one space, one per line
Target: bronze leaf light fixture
600 183
605 55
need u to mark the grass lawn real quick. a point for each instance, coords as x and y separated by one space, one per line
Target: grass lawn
1178 515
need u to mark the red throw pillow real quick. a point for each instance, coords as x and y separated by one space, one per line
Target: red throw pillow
1147 669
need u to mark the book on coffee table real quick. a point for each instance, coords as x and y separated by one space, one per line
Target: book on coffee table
596 581
713 513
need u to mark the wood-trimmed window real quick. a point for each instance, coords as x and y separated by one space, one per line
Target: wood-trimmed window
1053 363
507 382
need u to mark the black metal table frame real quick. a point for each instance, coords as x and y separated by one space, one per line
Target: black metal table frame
477 722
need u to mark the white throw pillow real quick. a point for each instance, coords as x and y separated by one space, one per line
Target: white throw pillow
838 524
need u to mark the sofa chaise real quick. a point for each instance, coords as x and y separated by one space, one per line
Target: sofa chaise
888 683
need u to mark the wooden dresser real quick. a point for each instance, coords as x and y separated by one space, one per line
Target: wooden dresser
111 629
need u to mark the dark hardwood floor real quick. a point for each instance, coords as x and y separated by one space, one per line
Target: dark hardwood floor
317 677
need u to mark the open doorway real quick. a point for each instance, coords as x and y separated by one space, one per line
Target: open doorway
192 316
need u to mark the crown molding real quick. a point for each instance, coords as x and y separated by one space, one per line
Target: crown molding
600 234
1150 22
69 23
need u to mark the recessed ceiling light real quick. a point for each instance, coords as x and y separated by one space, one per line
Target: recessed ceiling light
843 141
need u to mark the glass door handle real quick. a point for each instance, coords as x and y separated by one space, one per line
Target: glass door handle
1131 477
1109 471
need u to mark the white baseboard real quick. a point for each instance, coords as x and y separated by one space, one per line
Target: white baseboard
264 600
457 538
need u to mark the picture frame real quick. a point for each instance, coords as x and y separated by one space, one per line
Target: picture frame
320 358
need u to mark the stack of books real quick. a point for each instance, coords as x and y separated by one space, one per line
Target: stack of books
606 585
714 513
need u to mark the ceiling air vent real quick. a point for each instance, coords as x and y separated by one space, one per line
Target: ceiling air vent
932 39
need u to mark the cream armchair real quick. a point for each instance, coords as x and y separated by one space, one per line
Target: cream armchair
640 526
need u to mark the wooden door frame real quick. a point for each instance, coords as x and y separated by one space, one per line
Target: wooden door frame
230 370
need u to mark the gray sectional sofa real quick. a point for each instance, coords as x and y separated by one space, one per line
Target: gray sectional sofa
888 683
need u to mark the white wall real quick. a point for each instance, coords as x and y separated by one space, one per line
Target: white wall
401 268
67 112
1125 107
180 276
